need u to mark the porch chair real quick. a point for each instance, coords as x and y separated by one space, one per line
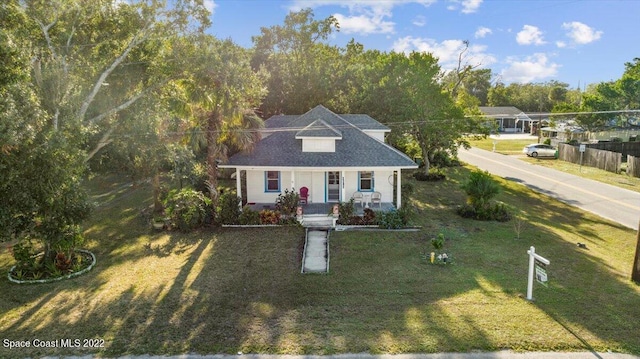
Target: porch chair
376 197
304 195
358 197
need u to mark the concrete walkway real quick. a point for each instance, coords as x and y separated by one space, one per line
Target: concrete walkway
316 255
506 354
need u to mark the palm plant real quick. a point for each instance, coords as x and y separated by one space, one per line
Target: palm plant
480 189
218 99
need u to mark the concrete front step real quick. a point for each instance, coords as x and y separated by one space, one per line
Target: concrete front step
318 221
316 255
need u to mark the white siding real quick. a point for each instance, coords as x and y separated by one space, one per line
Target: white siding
304 179
317 192
377 134
350 184
255 187
316 182
318 145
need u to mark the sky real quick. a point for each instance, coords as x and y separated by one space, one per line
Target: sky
578 42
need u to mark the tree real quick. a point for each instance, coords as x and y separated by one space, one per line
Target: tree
93 60
302 69
413 101
606 102
41 196
219 96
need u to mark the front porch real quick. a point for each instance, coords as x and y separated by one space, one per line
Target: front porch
325 208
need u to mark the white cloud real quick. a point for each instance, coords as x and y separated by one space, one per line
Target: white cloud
365 16
468 6
446 51
530 35
364 24
532 68
420 21
580 33
210 5
561 44
482 32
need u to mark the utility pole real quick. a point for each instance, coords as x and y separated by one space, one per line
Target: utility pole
635 273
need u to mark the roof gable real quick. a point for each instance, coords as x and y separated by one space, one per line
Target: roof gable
283 147
500 111
319 129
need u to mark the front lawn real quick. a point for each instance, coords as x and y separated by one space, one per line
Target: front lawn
232 290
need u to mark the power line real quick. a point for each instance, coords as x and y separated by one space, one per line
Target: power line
273 130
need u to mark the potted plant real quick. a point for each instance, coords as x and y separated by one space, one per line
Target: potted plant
158 222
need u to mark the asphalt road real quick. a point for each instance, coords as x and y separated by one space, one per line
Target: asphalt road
616 204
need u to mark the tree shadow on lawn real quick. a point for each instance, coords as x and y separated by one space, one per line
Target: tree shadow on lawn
237 292
241 290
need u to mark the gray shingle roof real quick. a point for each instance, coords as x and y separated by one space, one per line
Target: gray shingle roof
500 111
319 128
356 149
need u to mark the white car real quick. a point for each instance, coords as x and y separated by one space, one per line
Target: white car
538 149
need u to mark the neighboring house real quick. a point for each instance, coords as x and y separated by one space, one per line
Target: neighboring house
624 134
508 119
332 155
564 131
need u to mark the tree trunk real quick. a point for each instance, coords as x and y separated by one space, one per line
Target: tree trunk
157 204
635 273
425 158
212 155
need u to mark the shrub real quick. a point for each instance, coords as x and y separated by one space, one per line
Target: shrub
435 174
391 220
25 254
444 159
249 216
407 190
497 212
369 217
480 189
438 242
547 141
188 209
287 203
268 216
347 210
228 208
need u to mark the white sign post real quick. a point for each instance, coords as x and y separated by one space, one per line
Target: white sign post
532 259
583 148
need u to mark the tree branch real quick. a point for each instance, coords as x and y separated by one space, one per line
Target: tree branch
125 104
135 41
105 140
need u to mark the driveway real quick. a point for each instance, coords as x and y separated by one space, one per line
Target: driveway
614 203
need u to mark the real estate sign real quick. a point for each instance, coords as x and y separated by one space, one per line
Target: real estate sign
541 273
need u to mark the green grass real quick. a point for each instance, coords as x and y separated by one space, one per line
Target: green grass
514 147
231 290
506 147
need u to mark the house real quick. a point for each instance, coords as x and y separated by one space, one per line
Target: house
334 156
508 119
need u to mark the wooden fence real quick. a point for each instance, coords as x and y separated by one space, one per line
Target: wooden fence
606 160
633 166
626 148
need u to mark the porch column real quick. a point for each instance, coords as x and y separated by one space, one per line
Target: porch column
398 189
342 187
239 186
293 180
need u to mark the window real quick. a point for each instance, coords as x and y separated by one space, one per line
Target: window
365 181
272 181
